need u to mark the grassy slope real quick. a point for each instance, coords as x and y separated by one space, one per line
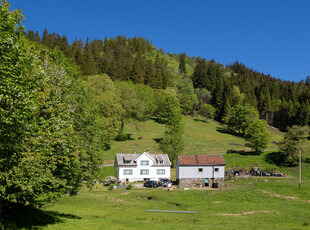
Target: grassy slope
199 138
255 203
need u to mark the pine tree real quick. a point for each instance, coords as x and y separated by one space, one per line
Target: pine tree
88 65
200 74
150 75
137 72
182 68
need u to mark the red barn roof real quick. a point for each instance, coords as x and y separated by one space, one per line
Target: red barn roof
201 160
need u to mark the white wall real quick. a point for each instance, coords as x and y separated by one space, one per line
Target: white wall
207 172
136 176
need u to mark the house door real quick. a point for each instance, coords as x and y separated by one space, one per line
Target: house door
206 182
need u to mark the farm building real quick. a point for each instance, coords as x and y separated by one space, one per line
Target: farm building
200 170
139 167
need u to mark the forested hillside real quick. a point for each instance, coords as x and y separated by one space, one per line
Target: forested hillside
194 80
62 104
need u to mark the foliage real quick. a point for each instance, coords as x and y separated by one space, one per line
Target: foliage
172 142
281 103
293 142
186 95
182 67
241 117
41 154
129 187
208 111
111 186
257 135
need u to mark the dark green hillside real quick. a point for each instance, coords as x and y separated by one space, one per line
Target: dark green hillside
281 103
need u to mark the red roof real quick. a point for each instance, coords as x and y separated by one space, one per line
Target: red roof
201 160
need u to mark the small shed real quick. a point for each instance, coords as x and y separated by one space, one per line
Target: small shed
200 170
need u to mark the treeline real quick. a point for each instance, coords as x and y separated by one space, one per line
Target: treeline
123 59
281 103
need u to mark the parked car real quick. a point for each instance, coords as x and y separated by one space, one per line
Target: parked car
264 173
165 183
151 183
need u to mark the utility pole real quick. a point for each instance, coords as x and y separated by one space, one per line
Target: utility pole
299 168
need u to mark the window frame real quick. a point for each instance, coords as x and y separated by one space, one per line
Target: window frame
144 170
163 170
143 164
127 170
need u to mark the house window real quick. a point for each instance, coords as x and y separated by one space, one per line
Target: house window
144 172
127 171
216 169
127 162
161 162
200 170
144 162
161 171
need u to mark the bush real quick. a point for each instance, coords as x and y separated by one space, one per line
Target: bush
129 187
111 186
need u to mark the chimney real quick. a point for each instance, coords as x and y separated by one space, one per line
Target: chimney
134 151
147 151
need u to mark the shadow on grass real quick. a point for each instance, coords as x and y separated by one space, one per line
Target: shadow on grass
124 137
158 120
280 159
18 216
227 131
157 140
200 120
243 153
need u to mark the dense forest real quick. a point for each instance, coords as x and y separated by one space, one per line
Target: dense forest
194 80
61 104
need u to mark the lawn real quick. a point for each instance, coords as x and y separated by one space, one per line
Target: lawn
257 203
254 203
199 137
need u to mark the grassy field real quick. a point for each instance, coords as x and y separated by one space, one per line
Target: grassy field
254 203
200 137
257 203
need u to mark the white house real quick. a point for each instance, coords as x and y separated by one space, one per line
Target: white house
199 170
139 167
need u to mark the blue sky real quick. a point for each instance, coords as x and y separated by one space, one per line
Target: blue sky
270 36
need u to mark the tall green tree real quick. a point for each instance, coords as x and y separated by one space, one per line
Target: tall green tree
257 135
241 117
182 67
293 142
38 160
208 111
172 142
88 66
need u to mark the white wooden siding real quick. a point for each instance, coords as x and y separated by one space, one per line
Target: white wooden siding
193 172
136 173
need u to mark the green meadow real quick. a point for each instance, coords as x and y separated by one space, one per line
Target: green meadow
253 203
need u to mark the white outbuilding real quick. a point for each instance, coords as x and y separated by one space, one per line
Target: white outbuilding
200 170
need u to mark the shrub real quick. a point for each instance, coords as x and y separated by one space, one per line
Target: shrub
111 186
129 187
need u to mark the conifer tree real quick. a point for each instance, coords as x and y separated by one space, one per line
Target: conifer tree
182 68
137 72
88 66
150 75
